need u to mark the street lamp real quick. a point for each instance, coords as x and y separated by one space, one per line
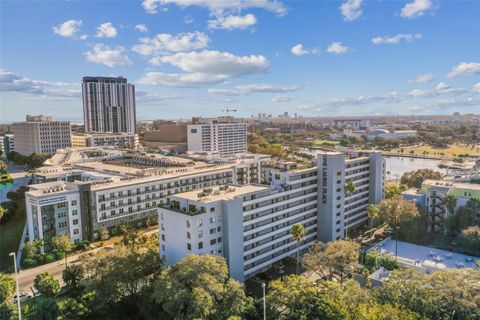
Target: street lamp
16 279
264 303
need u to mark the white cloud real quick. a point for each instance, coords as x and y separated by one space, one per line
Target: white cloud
425 78
299 50
216 62
106 30
188 19
231 22
163 43
476 88
218 7
83 37
338 48
11 82
203 68
141 28
351 10
147 97
282 98
416 9
245 89
397 38
464 68
68 29
180 79
103 54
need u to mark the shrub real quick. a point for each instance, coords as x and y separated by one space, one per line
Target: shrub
30 262
50 257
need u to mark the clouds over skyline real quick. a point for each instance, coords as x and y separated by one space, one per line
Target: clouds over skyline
231 22
106 30
245 89
465 68
164 43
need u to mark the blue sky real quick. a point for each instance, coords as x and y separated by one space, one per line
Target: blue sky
194 57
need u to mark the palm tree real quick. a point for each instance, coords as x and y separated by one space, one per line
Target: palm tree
474 205
450 202
373 212
350 187
298 231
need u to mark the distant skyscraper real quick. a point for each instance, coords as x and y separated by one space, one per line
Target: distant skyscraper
108 104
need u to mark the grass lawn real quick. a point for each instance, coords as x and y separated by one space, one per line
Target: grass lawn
320 142
10 236
451 151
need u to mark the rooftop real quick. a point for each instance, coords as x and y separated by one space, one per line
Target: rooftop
220 193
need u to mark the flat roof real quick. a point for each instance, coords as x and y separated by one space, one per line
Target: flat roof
216 193
418 256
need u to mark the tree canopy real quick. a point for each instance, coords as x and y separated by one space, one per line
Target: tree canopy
199 287
47 285
414 179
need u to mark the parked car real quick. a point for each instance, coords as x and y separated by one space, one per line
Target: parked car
23 297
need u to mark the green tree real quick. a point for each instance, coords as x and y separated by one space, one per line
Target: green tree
296 297
450 203
151 220
373 213
198 287
473 207
397 211
339 256
7 288
470 239
47 285
393 190
450 294
350 187
46 309
104 234
73 276
298 231
414 179
119 277
63 244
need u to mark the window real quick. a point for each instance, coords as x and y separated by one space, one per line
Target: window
75 222
219 229
213 241
200 234
74 212
189 236
75 231
212 219
199 223
219 239
189 247
212 230
163 237
212 209
74 202
200 245
188 223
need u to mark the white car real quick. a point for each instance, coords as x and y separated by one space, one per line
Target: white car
23 297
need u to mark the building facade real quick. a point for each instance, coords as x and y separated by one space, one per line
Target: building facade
7 144
118 140
338 209
41 134
217 136
108 104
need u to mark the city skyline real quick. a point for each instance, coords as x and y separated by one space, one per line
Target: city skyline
194 58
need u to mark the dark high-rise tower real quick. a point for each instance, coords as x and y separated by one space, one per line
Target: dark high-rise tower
108 104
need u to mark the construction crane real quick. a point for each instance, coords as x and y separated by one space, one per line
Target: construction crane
227 110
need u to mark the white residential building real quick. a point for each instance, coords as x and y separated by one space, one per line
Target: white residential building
339 210
41 134
218 135
53 209
7 144
108 104
118 140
